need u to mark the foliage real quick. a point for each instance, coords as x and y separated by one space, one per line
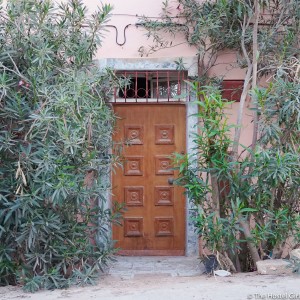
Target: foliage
213 27
207 166
246 202
268 194
55 133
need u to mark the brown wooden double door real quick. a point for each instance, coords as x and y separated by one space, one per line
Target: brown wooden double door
154 223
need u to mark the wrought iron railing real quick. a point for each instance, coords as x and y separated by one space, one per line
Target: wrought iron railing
152 86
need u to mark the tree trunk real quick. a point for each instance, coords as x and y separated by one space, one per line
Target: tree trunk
239 121
215 194
251 245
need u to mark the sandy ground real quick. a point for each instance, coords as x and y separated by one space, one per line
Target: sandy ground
156 287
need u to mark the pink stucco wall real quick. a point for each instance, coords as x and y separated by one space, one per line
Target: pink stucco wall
127 12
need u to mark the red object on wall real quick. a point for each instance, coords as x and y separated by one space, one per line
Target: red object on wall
232 89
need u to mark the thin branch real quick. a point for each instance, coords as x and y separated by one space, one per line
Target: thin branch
13 71
254 76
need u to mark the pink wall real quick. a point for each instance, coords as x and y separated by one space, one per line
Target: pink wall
126 11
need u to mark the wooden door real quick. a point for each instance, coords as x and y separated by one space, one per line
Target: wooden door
154 223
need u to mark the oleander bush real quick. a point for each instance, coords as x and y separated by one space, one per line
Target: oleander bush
254 199
55 134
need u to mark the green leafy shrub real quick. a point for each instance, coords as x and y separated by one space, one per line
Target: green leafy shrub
248 200
55 134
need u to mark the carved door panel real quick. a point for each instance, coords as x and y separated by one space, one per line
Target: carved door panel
154 223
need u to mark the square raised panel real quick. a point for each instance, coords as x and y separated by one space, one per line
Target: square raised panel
164 226
134 134
133 227
133 166
134 195
164 134
164 195
163 165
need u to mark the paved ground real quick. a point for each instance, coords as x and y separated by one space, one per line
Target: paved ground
129 267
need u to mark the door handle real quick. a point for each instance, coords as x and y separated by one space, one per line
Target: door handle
171 180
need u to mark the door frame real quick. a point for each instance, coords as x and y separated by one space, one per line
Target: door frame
143 64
